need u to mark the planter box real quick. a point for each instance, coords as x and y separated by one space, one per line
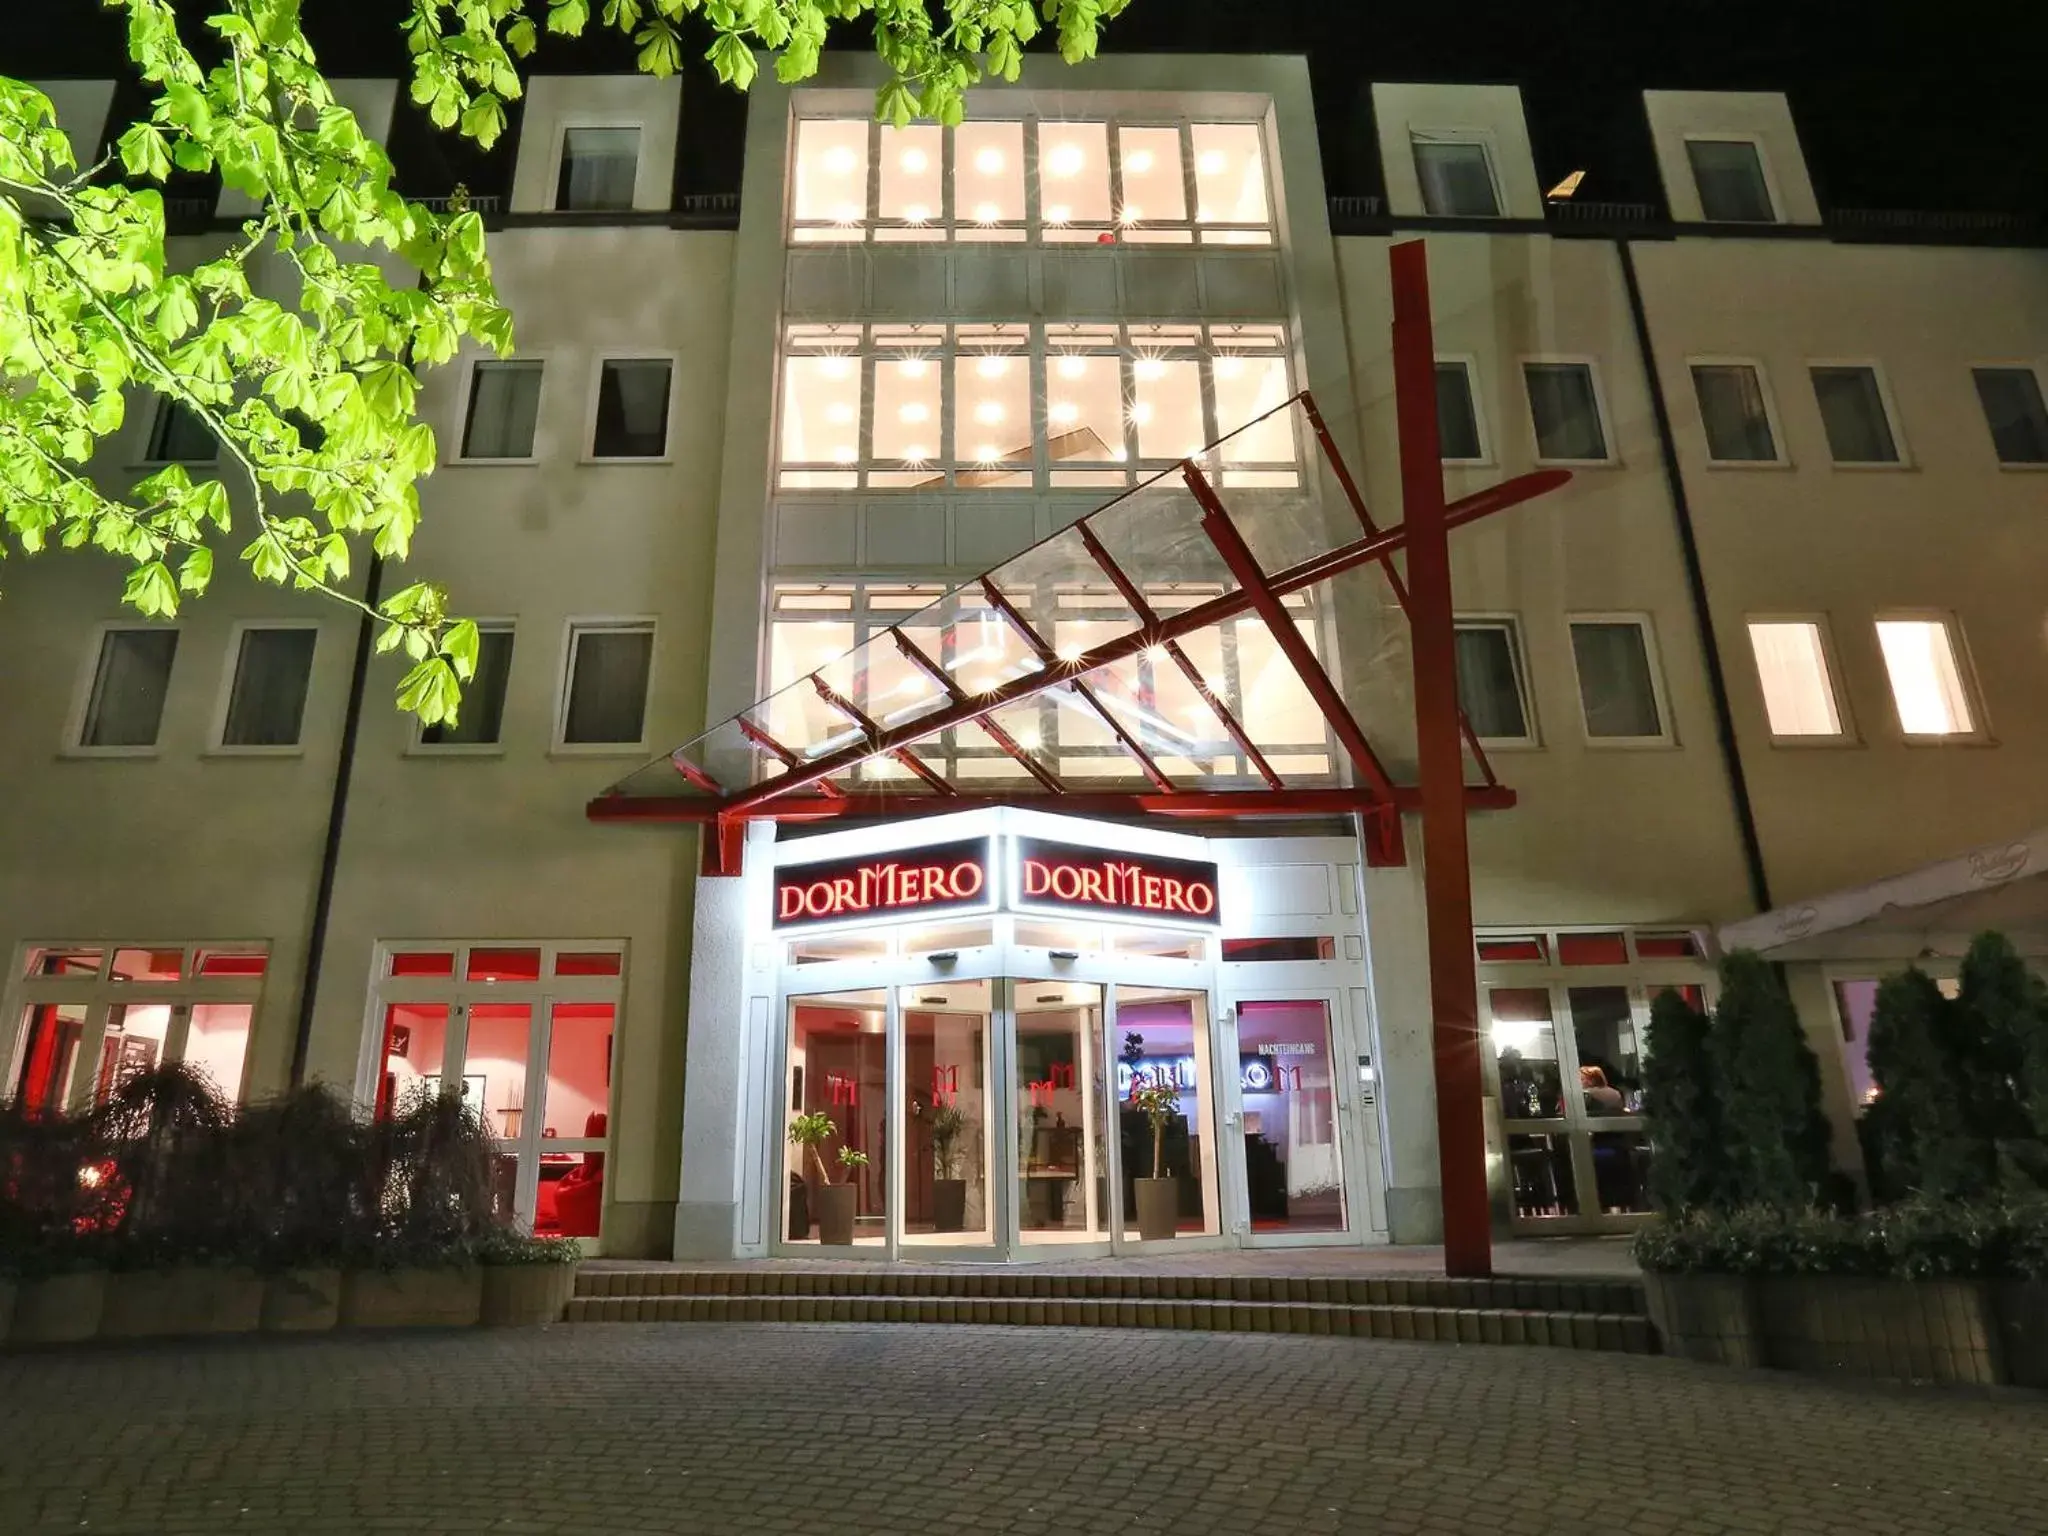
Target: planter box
526 1295
58 1309
302 1301
192 1299
2023 1330
411 1298
1705 1317
1926 1330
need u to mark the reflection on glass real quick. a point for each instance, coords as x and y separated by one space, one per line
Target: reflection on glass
133 1042
1293 1156
1541 1168
1164 1035
48 1054
1621 1171
837 1067
415 1038
579 1070
494 1066
1525 1048
1062 1193
945 1114
1610 1056
217 1041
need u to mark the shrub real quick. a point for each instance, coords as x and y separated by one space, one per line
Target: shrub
1769 1086
1682 1109
1914 1240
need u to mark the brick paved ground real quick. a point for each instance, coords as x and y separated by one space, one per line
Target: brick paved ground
905 1430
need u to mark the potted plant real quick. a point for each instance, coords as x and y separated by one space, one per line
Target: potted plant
949 1194
1158 1198
839 1203
527 1280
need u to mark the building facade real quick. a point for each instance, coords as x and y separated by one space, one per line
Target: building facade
1778 637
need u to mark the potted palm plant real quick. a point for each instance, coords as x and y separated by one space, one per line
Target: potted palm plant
1155 1097
837 1203
949 1194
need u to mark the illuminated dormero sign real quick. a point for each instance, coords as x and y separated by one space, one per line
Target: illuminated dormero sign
948 877
1111 884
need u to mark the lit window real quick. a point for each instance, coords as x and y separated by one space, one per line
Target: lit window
913 182
179 435
1617 686
907 393
988 180
1230 180
1566 411
831 192
632 409
1853 411
1792 665
1166 407
605 701
482 713
267 701
598 167
1490 687
1730 177
1456 178
1457 416
821 409
1084 407
126 705
1073 180
1927 683
992 429
1249 422
1732 409
504 399
1154 192
2013 409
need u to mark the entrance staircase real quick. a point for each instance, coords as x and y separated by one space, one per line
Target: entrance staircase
1572 1314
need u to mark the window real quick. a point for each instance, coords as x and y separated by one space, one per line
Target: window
632 409
1730 176
504 399
1456 179
1490 689
1852 408
482 714
2013 408
1457 416
126 704
1565 407
1926 679
598 167
1093 182
179 435
606 698
1732 409
1617 682
267 699
1792 665
1117 401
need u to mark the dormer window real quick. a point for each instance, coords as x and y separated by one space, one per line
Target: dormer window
1730 176
1456 177
598 168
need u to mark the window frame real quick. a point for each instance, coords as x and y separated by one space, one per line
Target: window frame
224 698
1763 164
1781 455
1645 623
459 428
1470 363
157 423
1886 403
1532 738
1846 734
419 746
2012 365
1483 138
572 628
560 153
75 718
1979 734
590 455
1591 364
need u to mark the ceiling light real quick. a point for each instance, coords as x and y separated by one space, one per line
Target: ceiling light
1073 367
1069 652
992 367
1118 456
1141 413
1129 215
1058 213
912 367
917 213
1228 367
835 367
846 213
1564 189
1149 368
1028 740
917 410
1066 160
1209 162
986 213
1064 411
843 455
989 412
913 161
988 161
839 161
1139 160
988 453
915 453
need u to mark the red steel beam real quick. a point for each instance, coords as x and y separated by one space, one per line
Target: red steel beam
697 776
996 733
1228 606
1130 593
1237 555
780 753
1446 861
1188 804
858 716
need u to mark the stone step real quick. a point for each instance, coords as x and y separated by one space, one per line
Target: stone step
1624 1332
1622 1298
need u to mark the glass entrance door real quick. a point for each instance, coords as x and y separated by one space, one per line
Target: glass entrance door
1062 1154
1291 1117
943 1105
1162 1037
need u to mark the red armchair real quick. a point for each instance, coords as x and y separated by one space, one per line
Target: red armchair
579 1193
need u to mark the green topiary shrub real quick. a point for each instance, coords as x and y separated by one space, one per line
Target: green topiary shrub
2004 1068
1682 1110
1921 1049
1769 1087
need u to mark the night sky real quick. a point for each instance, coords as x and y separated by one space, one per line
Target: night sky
1900 105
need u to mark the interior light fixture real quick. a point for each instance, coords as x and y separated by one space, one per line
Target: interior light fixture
988 453
1129 215
1228 366
1139 160
1066 160
835 367
839 160
989 412
913 161
1209 162
992 367
988 160
917 213
915 453
1149 368
1141 413
913 367
987 213
1058 213
1073 367
1063 412
844 455
917 410
846 213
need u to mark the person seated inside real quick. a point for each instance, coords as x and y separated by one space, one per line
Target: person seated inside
1601 1097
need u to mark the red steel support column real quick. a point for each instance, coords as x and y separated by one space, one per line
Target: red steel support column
1446 865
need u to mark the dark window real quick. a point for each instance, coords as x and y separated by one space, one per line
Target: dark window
632 410
1456 180
1615 686
504 399
1566 410
180 436
1308 948
483 697
1490 682
1730 176
607 685
2012 406
1732 410
598 165
128 686
268 699
1457 419
1852 410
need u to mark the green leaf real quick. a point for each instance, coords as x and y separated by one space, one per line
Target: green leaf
178 311
568 17
151 590
732 61
430 691
460 646
196 570
143 152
